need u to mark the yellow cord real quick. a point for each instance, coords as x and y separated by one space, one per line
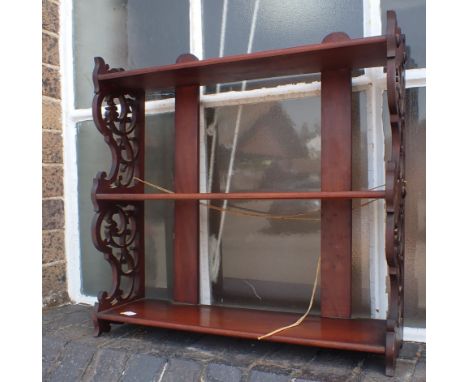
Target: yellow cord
243 212
304 316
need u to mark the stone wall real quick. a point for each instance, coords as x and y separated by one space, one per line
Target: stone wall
54 283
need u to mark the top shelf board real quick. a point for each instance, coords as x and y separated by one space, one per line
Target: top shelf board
353 54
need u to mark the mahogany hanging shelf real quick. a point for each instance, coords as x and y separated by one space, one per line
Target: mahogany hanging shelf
118 226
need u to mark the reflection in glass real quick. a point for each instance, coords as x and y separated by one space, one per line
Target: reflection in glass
270 263
415 205
411 15
127 33
93 156
279 24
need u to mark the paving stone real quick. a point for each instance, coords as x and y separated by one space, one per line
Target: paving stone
75 360
422 355
419 372
143 368
222 373
404 370
236 352
262 376
123 348
374 370
108 366
182 370
333 365
51 350
291 356
409 350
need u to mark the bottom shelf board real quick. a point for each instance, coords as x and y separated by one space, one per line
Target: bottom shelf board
366 335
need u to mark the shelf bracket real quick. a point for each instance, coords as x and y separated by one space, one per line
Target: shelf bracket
118 227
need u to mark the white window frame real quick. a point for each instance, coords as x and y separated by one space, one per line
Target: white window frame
373 82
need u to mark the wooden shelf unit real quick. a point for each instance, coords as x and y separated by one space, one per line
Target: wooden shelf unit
118 199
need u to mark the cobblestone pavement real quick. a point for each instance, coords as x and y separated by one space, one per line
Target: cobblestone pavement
135 353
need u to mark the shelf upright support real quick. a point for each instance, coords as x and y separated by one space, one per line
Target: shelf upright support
186 180
118 226
335 287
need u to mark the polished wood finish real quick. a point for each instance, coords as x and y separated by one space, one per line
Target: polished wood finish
336 230
359 53
186 169
247 195
358 334
118 198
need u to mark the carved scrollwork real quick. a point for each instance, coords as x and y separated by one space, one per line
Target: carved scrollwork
118 117
121 135
395 188
118 226
116 233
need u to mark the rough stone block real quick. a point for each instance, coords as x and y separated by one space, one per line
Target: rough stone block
182 370
263 376
54 279
50 82
53 246
233 351
55 299
108 365
52 147
52 181
51 115
50 16
142 367
73 364
222 373
52 214
409 350
374 369
419 372
50 49
51 350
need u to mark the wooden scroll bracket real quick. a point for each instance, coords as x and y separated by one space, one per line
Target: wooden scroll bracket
118 228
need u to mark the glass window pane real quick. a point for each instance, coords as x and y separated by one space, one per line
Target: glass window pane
415 205
93 156
362 213
411 15
279 24
126 33
270 263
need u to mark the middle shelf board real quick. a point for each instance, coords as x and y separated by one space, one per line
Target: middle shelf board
353 54
244 195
